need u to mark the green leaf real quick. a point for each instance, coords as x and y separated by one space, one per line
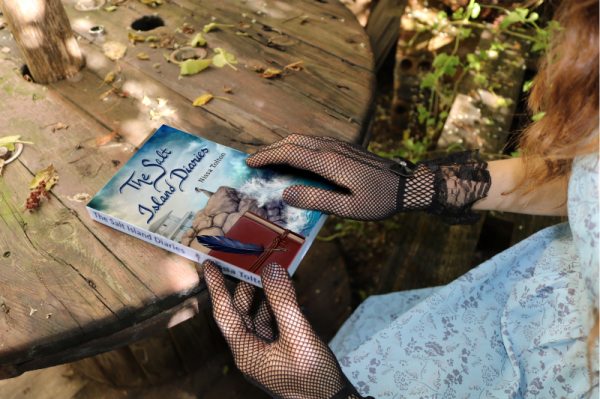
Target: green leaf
339 226
474 62
480 79
191 67
475 11
465 33
110 9
442 15
515 154
443 115
245 34
537 117
538 47
423 114
503 102
483 55
435 26
439 60
455 145
9 142
224 58
458 14
428 81
510 19
198 40
408 143
522 12
450 64
213 26
497 46
430 121
527 85
489 122
533 17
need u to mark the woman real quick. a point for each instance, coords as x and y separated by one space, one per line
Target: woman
523 324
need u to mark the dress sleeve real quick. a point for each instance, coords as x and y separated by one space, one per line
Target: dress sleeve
584 222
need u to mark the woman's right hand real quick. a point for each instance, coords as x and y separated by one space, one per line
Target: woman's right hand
369 190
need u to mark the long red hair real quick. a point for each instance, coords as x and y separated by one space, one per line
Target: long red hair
566 89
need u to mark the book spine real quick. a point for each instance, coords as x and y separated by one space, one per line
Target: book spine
174 247
307 243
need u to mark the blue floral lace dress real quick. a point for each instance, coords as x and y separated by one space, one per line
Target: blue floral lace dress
514 327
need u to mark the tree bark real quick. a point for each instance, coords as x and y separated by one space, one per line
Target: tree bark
44 36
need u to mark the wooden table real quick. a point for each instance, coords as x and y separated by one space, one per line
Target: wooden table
71 288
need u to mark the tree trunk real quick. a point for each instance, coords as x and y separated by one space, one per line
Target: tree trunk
44 35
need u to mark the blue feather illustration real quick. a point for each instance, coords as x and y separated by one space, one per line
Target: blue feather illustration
229 245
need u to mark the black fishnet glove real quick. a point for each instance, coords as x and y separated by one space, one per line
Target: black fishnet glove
277 348
448 186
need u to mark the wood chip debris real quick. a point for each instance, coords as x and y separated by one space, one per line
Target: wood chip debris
32 311
103 140
296 66
48 315
227 89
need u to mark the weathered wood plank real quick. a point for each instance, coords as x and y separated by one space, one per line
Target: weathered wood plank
51 383
152 325
127 276
266 109
330 26
429 254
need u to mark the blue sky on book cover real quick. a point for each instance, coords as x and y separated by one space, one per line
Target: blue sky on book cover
171 172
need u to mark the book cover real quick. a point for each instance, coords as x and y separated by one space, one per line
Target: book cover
178 186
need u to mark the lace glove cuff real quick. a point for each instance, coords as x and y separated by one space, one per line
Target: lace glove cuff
447 187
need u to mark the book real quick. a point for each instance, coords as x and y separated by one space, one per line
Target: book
178 187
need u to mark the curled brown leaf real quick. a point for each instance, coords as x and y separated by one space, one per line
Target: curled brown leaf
296 66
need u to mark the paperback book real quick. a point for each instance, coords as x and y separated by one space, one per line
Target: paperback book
198 199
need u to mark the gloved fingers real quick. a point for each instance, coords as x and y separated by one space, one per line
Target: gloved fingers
293 326
319 199
264 322
323 163
243 296
303 140
229 320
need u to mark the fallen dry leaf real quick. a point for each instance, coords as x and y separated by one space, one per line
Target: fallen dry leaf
125 94
270 73
114 50
198 40
167 41
162 102
187 29
1 166
153 45
5 50
152 3
152 39
146 101
241 33
48 315
103 140
49 176
104 95
32 311
157 115
143 56
191 66
212 26
110 9
203 99
257 68
224 58
61 126
296 66
109 77
227 89
134 38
